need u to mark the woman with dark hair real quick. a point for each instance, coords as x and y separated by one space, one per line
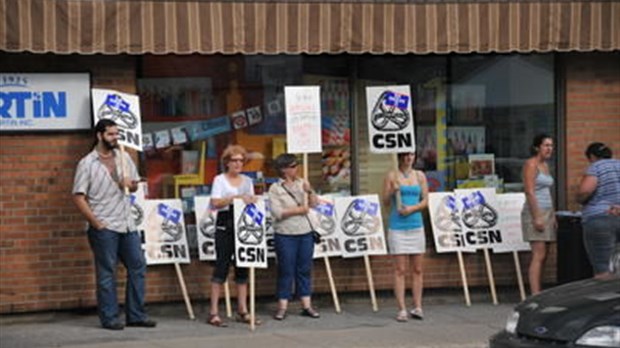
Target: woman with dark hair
294 243
226 187
538 216
599 192
406 238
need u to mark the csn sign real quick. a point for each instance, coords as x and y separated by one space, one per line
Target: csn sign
390 120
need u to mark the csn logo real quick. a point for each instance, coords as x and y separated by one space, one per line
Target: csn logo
19 103
390 116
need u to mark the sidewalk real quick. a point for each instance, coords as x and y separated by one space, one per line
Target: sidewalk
448 324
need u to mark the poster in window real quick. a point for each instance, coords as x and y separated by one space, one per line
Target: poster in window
481 165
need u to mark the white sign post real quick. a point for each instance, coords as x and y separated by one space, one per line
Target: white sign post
445 213
510 205
481 228
250 243
165 240
205 235
323 219
361 232
205 228
303 119
122 108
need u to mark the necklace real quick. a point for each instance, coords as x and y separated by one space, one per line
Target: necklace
406 174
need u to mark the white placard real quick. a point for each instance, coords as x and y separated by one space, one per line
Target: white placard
205 228
324 221
445 214
390 119
269 230
30 102
122 108
480 218
510 206
303 119
165 241
361 226
138 200
250 241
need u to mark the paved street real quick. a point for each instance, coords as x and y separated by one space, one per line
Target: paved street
448 324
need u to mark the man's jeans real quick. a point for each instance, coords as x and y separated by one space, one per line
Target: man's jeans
108 246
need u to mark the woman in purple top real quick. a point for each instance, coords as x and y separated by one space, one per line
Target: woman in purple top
599 192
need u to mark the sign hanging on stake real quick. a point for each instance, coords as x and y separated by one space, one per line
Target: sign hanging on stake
250 241
138 201
361 225
165 241
122 108
269 230
445 213
323 219
510 207
303 119
390 119
205 227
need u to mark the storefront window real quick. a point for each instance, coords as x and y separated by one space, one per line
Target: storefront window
475 116
194 106
497 105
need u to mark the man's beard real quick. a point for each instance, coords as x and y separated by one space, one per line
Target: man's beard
109 145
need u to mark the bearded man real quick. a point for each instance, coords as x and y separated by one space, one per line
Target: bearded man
98 192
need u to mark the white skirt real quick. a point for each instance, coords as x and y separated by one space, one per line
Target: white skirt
407 241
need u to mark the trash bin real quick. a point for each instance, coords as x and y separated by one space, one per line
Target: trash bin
572 259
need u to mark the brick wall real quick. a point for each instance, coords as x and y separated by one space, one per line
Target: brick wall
45 262
592 111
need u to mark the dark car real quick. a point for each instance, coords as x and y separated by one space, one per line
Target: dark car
580 314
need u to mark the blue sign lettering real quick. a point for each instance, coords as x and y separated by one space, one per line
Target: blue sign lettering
169 213
325 209
254 213
362 205
37 104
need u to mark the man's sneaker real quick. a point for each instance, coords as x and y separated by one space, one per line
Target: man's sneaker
417 313
113 326
144 323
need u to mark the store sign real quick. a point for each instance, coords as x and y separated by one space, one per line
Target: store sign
122 108
390 119
361 226
250 238
303 119
30 102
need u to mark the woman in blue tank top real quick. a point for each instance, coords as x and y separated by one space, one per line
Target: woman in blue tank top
538 216
406 239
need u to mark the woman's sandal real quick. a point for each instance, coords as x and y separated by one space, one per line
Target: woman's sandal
215 320
310 312
280 314
246 318
402 316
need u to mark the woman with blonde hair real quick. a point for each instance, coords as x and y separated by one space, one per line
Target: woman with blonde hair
226 187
